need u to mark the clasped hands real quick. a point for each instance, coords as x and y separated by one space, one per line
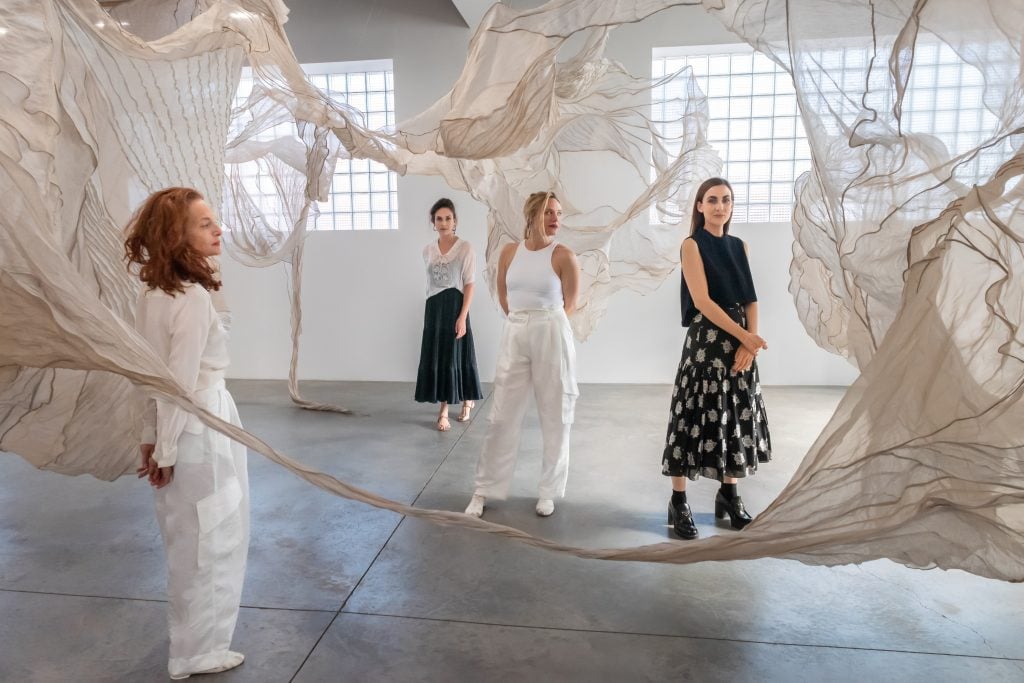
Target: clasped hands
159 477
751 343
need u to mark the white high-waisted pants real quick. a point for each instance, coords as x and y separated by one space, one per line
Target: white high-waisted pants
204 520
536 351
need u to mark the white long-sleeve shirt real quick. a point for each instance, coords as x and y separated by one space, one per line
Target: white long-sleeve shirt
185 331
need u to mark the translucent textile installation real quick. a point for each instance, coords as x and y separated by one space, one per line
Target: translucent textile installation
151 114
908 255
908 260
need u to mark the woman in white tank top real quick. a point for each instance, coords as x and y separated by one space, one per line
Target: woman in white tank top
538 281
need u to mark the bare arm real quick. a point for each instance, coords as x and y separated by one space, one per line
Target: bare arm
696 282
460 322
503 262
751 308
568 270
467 299
744 358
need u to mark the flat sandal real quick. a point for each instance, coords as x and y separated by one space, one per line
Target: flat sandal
467 409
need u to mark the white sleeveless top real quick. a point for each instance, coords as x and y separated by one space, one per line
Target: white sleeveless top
531 282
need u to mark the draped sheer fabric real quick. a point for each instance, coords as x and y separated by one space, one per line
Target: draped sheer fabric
907 258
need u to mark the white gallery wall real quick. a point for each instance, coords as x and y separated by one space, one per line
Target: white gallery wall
363 291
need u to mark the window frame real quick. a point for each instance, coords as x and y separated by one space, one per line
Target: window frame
758 174
944 99
348 202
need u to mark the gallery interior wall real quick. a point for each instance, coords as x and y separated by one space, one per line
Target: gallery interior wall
363 292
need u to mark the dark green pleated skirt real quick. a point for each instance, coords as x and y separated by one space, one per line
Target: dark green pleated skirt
447 371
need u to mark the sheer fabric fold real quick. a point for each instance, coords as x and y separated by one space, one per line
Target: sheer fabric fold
907 260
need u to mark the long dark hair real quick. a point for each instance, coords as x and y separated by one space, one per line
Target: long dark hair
157 244
697 218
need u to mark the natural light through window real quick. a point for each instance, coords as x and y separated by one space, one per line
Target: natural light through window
364 194
753 124
755 128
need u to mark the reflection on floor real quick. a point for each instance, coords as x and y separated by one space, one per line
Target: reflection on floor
337 591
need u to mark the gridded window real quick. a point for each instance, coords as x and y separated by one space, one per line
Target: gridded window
363 194
753 125
944 96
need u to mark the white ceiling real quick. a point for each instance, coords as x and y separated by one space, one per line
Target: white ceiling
472 11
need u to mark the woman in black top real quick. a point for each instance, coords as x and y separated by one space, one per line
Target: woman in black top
717 425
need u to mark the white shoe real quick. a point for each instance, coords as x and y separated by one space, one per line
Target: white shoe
231 660
545 506
476 506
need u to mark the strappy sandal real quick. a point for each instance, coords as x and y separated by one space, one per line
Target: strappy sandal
443 425
467 408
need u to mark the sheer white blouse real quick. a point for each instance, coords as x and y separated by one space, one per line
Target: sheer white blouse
455 269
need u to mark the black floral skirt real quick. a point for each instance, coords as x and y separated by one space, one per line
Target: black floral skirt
447 371
717 425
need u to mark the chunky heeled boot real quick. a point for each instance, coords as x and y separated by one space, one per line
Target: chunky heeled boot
681 519
738 515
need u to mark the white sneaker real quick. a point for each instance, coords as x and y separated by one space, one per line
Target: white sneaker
545 506
476 506
231 660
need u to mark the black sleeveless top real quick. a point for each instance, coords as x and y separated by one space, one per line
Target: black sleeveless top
726 269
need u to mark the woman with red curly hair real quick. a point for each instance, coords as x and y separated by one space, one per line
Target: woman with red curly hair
199 476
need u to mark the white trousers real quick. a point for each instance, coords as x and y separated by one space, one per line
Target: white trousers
204 520
536 351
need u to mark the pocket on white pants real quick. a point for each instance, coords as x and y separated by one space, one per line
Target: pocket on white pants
220 522
567 373
568 408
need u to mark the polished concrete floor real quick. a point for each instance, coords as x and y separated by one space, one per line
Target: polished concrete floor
338 591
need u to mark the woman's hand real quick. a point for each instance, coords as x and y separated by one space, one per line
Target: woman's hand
159 477
743 360
460 327
753 342
147 465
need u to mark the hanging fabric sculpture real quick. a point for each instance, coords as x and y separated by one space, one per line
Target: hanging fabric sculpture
907 260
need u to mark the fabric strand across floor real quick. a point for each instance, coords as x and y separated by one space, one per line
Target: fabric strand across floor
341 591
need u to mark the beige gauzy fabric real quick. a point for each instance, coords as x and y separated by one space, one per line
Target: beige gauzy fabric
530 112
74 161
908 260
96 119
110 117
922 462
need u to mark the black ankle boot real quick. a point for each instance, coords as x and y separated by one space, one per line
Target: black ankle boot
738 516
681 519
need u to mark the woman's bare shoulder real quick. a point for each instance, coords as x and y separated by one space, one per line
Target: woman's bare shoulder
509 249
564 252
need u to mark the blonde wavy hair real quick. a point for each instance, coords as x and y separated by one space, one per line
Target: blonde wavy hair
534 205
